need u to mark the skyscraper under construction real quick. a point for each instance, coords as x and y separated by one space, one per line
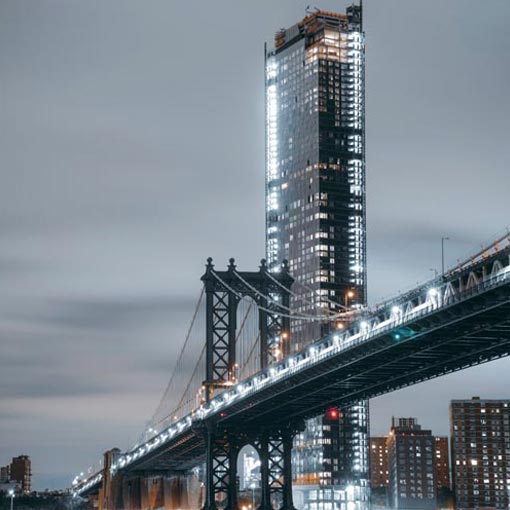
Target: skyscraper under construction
315 218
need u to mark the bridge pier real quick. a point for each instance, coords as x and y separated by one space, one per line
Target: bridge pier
175 492
210 490
263 450
274 447
131 493
288 439
233 452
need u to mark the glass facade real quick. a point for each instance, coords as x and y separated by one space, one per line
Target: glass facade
315 218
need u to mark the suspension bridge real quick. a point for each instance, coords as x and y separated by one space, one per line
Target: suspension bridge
240 380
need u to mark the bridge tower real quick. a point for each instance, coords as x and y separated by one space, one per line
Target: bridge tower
224 290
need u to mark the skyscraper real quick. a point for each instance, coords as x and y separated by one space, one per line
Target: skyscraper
315 218
411 466
480 442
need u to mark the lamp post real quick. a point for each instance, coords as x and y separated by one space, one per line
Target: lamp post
11 494
348 295
252 487
443 239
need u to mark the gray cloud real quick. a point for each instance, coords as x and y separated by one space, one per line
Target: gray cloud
54 386
107 314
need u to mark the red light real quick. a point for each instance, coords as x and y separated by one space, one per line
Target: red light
222 414
332 413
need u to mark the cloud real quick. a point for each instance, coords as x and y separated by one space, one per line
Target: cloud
106 314
52 385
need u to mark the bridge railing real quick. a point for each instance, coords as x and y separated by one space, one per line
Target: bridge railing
81 485
500 246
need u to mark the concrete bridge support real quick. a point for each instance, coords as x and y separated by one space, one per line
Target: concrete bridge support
131 493
178 493
146 490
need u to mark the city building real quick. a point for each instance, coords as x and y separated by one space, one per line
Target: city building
442 462
412 482
5 474
378 462
480 446
315 218
21 473
379 476
249 468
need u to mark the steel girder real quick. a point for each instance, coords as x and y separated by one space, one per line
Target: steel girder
224 290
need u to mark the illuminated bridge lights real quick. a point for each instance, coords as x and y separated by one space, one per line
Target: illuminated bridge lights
391 318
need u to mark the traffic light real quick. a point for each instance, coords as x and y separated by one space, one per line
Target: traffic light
332 413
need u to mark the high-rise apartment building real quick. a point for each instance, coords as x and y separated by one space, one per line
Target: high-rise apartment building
21 473
411 466
315 218
442 462
378 462
480 437
379 474
315 160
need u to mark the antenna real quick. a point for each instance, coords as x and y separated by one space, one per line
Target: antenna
361 15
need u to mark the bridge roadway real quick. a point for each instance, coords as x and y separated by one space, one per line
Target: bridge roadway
449 324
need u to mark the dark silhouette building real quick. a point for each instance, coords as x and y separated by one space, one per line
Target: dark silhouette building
315 218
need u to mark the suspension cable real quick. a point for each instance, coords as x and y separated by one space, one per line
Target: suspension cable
179 359
245 318
250 354
268 310
325 317
261 294
298 296
197 366
331 302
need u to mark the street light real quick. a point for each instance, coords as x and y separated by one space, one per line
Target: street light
11 494
252 487
348 295
443 239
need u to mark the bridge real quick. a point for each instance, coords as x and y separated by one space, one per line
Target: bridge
455 321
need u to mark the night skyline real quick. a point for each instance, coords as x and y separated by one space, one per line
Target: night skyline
126 164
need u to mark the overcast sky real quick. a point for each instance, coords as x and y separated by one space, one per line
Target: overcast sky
132 148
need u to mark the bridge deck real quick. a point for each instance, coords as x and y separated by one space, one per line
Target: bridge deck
450 329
